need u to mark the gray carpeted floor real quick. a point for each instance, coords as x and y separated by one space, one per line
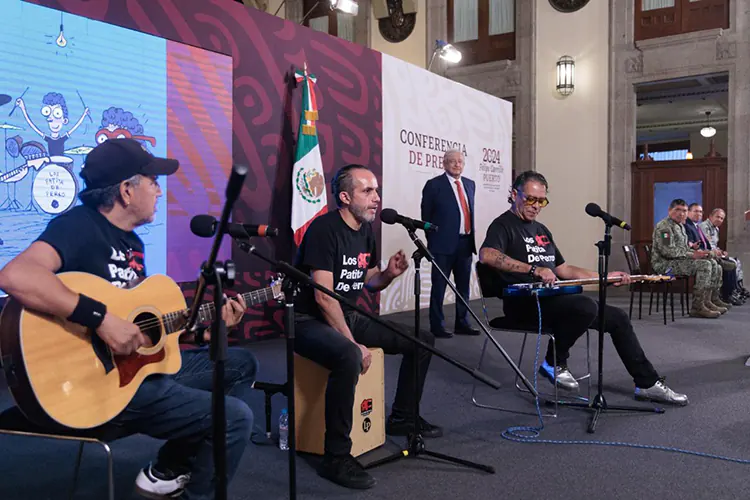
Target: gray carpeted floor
704 358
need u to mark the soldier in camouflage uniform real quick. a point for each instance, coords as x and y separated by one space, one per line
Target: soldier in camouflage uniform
672 254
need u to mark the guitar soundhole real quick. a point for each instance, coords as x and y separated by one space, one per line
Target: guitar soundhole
150 326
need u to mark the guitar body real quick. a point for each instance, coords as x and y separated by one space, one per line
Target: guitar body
56 375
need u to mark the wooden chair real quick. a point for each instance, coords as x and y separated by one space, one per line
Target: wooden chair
14 423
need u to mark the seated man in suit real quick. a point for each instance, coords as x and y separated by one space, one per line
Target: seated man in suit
698 241
339 252
448 202
710 228
99 238
518 249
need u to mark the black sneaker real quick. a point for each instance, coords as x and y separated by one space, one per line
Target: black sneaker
345 471
398 426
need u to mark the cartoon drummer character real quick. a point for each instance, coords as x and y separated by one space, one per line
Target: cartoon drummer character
55 111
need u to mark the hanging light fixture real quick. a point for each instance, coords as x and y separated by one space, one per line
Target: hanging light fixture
566 69
708 130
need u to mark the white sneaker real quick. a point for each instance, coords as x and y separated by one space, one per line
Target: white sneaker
154 484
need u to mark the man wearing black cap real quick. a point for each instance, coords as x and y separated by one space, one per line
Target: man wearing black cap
98 238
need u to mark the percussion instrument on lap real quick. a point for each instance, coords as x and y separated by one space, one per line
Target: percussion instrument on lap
567 287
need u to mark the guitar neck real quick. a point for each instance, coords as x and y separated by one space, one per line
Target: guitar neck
595 281
175 321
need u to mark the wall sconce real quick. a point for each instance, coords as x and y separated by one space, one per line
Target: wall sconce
566 72
689 156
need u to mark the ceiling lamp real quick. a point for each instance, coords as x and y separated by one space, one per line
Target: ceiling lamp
708 130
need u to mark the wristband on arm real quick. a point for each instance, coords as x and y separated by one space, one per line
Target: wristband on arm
88 312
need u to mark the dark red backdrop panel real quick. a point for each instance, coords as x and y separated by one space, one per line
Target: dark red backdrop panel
265 50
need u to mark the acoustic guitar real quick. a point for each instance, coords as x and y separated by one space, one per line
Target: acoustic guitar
62 374
566 287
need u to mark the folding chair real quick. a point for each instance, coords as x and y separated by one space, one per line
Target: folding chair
13 422
526 328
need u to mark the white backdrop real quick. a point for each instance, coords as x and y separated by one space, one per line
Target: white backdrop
424 115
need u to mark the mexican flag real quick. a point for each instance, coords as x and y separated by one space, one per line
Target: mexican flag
309 198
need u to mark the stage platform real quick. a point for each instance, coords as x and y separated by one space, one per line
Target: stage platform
704 358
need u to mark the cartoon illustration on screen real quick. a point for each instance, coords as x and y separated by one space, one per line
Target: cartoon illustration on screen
55 111
54 186
120 124
60 40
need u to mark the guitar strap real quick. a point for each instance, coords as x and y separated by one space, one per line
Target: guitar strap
102 352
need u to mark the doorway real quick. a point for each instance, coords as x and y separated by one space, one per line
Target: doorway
681 148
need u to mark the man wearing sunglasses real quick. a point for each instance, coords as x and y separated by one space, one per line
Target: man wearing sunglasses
518 249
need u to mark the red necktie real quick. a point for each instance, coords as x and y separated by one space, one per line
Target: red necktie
464 208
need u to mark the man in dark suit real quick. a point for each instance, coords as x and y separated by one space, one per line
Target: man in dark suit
448 202
699 241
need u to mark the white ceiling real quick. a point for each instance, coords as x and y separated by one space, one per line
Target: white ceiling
674 108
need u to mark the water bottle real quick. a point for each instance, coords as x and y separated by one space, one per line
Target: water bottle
284 430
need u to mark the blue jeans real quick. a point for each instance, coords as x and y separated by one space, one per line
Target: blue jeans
178 408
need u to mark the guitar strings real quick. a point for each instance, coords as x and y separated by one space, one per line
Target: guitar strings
157 321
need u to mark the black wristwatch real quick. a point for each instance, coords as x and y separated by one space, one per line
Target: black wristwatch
532 270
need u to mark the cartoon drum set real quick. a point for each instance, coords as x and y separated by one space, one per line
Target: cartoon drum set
54 187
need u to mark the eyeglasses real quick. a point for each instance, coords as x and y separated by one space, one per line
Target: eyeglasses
531 200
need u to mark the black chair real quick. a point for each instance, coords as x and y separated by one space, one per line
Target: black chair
634 267
681 281
13 422
526 328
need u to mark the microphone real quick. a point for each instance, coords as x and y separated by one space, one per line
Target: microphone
390 216
595 210
205 226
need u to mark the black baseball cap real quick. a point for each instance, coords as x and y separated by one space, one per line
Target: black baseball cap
116 160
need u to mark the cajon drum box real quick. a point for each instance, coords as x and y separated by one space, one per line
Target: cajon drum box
368 423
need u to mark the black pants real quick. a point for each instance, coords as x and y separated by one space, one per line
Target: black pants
568 316
729 284
319 342
459 263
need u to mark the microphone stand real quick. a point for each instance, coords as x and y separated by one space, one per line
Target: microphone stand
218 274
298 278
415 442
599 405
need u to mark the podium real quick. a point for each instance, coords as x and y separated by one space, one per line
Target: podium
368 422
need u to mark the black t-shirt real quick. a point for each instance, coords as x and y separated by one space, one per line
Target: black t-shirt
56 146
331 245
527 242
87 242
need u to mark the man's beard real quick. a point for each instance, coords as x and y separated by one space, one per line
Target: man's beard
361 213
